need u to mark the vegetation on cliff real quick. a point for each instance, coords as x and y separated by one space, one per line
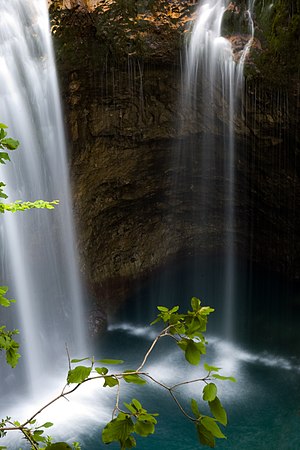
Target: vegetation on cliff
148 30
278 28
153 31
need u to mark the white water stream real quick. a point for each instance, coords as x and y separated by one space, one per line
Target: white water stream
215 79
38 257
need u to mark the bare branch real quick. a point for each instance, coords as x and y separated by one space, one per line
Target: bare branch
181 408
164 332
116 408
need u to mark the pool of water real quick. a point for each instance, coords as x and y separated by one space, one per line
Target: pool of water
263 405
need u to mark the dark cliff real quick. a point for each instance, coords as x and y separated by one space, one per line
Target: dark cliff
120 68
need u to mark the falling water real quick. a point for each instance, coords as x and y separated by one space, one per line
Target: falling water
38 256
214 80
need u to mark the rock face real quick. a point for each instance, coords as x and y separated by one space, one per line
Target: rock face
121 81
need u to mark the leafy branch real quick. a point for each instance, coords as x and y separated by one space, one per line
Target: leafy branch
188 332
7 342
8 144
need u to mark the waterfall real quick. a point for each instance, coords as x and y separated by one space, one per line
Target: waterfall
38 258
214 82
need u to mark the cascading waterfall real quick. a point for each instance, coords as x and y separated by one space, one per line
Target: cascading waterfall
215 80
38 252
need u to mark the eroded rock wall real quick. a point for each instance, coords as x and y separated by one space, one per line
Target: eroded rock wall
121 83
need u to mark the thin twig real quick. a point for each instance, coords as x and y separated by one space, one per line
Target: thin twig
164 332
204 379
180 407
68 355
116 408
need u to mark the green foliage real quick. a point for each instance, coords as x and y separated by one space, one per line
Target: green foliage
7 342
23 206
9 144
5 144
119 31
189 328
121 428
218 411
79 374
209 392
207 428
133 377
58 446
278 29
3 300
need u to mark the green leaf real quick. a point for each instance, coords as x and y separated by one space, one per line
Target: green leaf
130 408
211 425
2 125
46 425
110 381
4 157
211 368
144 427
3 290
218 411
149 417
37 436
79 360
3 300
136 404
10 143
110 361
58 446
192 354
220 377
12 356
206 310
195 303
162 308
118 429
129 443
101 370
193 350
209 392
133 378
195 325
205 436
195 408
79 374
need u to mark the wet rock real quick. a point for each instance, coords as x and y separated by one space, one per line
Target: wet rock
121 84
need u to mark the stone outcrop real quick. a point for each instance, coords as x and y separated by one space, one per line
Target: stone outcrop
120 81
